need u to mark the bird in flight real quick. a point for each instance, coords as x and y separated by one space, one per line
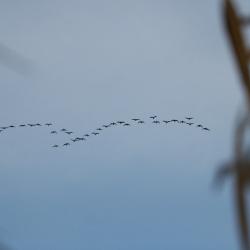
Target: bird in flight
199 126
22 125
189 118
135 119
95 133
38 124
105 126
141 122
126 124
156 122
166 121
189 123
81 138
153 117
120 122
99 129
55 146
74 140
113 123
69 132
182 121
48 124
206 129
174 120
66 144
63 129
87 135
53 132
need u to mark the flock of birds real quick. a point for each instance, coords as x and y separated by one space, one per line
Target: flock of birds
153 119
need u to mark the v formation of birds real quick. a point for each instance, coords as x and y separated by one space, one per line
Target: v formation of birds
152 119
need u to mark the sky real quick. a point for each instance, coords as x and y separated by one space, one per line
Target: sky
82 64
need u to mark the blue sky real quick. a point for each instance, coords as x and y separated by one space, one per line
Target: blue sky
93 62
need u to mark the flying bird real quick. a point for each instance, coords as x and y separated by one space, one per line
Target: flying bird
206 129
126 124
86 135
120 122
38 124
63 129
55 146
156 122
189 118
81 138
199 126
53 132
189 123
69 132
99 129
166 121
66 144
95 133
22 125
141 122
48 124
135 119
105 126
153 117
182 121
113 123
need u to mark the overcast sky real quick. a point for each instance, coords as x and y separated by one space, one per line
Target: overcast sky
84 63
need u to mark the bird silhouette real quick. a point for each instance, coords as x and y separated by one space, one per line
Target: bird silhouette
182 121
166 121
74 140
189 118
189 123
31 125
120 122
113 123
153 117
206 129
156 122
69 132
63 129
105 126
53 132
95 133
11 126
99 129
174 120
55 146
141 122
48 124
38 124
81 138
135 119
66 144
199 126
86 135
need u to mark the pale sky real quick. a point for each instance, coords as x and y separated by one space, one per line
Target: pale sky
86 63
